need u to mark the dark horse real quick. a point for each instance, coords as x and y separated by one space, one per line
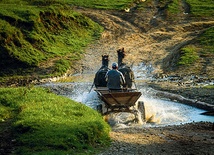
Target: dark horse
126 70
99 80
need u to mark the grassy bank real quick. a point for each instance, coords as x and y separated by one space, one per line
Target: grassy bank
202 48
44 123
200 8
100 4
197 57
41 38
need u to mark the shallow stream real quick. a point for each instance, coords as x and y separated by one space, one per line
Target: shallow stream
158 112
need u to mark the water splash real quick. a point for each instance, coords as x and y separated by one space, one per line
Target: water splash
158 112
163 112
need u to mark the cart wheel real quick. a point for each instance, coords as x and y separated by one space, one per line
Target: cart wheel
141 108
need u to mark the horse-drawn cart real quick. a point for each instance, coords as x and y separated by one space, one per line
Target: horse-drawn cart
124 100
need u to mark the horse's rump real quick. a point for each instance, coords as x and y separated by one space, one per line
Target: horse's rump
128 75
99 79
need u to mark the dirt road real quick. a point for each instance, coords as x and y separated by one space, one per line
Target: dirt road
195 138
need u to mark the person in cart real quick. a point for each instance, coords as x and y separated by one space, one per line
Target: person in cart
115 79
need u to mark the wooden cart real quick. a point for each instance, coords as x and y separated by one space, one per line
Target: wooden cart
118 100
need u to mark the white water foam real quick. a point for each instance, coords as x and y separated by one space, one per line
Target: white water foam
163 112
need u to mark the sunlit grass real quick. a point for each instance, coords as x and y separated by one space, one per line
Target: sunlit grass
102 4
209 87
31 35
206 41
45 123
202 48
189 55
201 8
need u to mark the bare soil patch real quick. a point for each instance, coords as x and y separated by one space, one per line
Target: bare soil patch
194 138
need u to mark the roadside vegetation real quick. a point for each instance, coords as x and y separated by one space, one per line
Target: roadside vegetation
44 123
197 58
44 38
203 48
188 56
200 8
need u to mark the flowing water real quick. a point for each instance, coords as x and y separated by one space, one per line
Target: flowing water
158 112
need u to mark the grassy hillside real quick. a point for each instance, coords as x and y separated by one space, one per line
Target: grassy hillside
37 33
44 123
198 57
200 8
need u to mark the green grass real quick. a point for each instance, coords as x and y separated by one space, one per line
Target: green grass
206 41
102 4
197 57
201 8
189 55
203 47
31 35
174 7
61 66
209 87
44 123
198 8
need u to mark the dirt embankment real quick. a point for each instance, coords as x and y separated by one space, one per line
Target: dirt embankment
149 37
